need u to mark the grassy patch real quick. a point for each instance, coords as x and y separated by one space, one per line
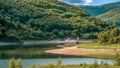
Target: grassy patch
99 46
99 50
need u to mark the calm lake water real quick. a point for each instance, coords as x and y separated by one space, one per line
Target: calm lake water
27 62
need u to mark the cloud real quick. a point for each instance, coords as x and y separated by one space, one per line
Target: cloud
87 2
78 2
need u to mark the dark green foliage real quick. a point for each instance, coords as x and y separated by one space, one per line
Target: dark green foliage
114 40
103 37
45 20
115 32
112 36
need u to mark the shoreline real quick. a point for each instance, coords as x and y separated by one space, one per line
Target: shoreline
83 52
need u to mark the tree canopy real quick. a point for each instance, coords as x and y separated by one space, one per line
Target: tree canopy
45 20
110 37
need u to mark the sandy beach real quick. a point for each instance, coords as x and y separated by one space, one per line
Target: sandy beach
74 51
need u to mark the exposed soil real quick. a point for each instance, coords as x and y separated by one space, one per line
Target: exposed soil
74 51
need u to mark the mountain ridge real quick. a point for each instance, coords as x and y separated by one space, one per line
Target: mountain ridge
97 10
111 16
108 12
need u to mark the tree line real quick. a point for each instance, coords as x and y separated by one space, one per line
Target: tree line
110 37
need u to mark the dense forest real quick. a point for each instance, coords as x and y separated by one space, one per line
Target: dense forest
109 37
108 12
46 20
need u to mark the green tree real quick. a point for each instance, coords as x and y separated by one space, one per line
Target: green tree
115 32
114 40
103 37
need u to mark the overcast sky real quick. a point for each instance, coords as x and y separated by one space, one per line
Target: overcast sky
89 2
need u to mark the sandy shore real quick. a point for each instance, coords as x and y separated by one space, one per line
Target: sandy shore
74 51
67 51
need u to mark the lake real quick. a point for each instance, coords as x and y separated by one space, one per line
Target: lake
27 62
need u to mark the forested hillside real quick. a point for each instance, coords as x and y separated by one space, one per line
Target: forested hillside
97 10
112 16
108 12
45 20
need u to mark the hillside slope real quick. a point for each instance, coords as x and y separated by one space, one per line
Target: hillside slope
108 12
45 20
112 16
97 10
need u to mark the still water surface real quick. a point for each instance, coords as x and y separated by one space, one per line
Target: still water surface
27 62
